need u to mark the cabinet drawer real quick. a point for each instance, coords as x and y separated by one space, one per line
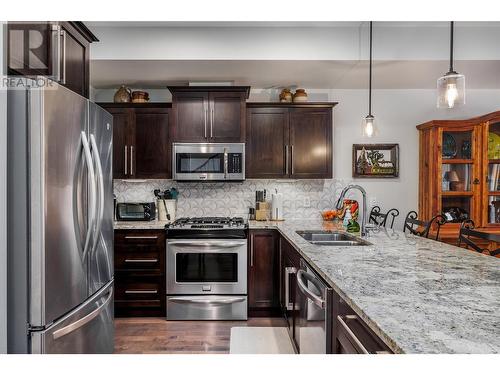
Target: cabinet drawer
355 338
140 237
150 261
138 287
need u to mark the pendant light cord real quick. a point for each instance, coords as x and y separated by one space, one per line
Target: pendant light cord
370 78
451 46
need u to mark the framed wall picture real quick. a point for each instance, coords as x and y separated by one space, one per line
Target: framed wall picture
375 160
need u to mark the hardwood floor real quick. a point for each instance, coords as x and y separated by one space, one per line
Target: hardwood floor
157 335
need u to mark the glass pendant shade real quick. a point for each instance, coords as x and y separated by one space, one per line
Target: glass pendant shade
451 90
369 126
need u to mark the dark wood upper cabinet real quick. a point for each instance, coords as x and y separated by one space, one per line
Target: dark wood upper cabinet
289 140
121 140
263 273
208 114
267 140
191 121
310 143
152 144
227 123
141 142
58 50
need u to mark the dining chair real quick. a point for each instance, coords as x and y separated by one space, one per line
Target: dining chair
412 224
380 219
468 233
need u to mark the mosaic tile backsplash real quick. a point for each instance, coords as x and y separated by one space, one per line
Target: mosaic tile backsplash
302 198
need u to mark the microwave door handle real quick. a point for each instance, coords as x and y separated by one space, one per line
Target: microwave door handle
225 163
92 192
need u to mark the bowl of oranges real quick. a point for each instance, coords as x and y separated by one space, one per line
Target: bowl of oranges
329 215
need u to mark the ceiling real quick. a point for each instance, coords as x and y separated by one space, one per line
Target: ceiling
347 74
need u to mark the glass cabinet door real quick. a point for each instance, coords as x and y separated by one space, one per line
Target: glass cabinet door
491 208
459 171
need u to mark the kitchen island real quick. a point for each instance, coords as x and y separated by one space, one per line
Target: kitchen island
416 294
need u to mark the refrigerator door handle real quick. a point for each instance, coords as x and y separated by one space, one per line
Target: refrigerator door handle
81 322
100 184
92 198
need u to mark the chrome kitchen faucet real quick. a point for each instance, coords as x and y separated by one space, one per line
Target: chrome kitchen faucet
363 192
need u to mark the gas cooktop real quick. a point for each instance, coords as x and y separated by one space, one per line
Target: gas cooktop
208 223
207 227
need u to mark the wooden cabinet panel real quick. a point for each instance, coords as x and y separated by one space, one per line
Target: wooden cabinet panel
208 113
140 273
289 141
152 156
141 140
75 67
267 140
310 143
59 50
121 141
227 121
263 288
190 117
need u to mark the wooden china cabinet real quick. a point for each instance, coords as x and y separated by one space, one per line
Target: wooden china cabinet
460 173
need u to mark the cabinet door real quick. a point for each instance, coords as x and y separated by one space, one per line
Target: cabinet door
121 141
263 289
310 143
227 117
150 156
190 117
75 61
267 140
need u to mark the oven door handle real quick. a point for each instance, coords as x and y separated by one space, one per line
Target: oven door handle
214 302
225 245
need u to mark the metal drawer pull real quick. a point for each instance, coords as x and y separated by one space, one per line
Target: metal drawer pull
288 271
126 156
145 291
141 237
81 322
351 333
222 301
141 260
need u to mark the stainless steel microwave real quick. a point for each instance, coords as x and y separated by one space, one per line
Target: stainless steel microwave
208 161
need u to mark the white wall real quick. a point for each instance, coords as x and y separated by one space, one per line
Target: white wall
348 41
3 202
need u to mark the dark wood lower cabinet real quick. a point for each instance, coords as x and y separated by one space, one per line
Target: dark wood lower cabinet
139 273
263 273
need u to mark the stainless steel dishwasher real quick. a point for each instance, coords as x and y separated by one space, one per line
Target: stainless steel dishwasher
313 331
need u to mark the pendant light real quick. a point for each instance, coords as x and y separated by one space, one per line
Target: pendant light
368 125
451 86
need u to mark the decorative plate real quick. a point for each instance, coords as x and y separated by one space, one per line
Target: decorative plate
493 145
449 146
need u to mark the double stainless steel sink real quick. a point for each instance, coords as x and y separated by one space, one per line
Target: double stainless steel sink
327 238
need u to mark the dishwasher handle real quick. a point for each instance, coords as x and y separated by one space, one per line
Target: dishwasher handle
302 278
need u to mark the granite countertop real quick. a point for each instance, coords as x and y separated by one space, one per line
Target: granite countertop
417 295
154 224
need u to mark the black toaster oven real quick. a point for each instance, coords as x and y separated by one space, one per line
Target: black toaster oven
135 211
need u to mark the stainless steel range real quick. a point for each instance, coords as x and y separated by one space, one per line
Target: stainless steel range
207 269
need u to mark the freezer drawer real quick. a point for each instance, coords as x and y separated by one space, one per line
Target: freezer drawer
87 329
208 307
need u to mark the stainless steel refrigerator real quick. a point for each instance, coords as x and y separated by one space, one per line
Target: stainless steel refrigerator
60 226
